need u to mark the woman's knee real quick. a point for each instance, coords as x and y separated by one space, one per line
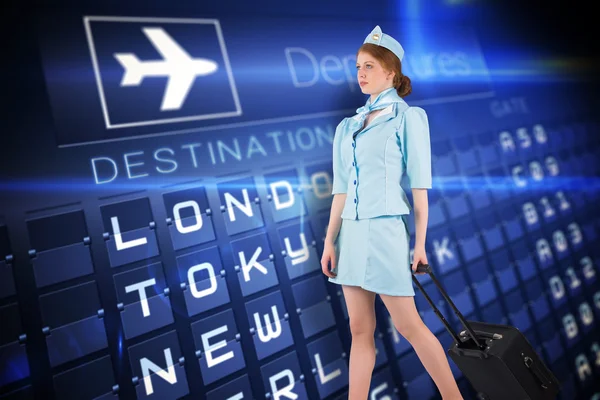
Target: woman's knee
362 326
411 328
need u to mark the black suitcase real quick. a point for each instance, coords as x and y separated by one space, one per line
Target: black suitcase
498 360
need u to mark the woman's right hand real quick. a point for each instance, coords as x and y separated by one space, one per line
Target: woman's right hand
328 256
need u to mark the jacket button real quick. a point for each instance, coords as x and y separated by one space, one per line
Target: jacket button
353 144
353 163
355 181
355 201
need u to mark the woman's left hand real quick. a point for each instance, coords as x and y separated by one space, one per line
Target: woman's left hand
419 256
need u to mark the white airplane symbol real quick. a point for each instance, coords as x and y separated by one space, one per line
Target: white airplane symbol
177 65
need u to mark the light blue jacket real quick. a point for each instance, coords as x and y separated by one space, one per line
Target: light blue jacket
370 167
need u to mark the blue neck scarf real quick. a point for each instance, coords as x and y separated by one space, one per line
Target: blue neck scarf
383 100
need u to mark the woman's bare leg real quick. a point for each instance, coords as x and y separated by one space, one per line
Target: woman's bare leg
408 322
361 309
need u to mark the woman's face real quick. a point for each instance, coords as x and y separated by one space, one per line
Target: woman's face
372 78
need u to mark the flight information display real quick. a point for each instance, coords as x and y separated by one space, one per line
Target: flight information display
162 228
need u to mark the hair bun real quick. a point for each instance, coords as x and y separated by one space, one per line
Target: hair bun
404 87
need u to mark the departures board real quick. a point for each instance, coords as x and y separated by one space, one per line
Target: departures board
168 194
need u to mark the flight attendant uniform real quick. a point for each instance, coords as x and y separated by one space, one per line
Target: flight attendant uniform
372 247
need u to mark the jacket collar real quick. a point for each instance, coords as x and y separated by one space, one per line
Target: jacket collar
387 101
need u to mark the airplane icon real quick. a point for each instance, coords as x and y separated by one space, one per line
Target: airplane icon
180 68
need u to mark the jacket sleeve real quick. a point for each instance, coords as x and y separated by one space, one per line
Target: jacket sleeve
340 172
416 147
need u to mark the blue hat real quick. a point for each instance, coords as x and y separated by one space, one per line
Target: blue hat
381 39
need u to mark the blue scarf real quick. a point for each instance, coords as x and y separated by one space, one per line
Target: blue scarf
383 100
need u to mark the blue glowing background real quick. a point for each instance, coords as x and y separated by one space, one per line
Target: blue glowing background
138 242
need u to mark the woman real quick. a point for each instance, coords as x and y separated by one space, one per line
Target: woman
371 152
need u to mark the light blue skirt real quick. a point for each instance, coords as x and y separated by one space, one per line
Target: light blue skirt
374 254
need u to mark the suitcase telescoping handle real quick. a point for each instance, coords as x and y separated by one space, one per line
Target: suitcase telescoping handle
426 268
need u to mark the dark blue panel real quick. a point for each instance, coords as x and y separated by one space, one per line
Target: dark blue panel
508 146
319 184
283 378
7 282
443 250
546 209
588 270
76 340
66 387
301 258
239 205
483 282
189 217
459 291
255 266
551 340
556 288
60 248
570 326
155 387
500 183
236 389
313 305
585 314
285 200
56 231
191 231
517 310
269 325
399 343
575 237
504 270
488 149
182 204
557 236
329 367
202 274
468 239
436 212
493 313
11 324
24 393
457 205
13 355
75 323
381 357
131 215
144 304
590 232
161 353
103 31
131 246
523 260
513 226
480 198
61 264
530 215
427 314
490 231
537 299
217 342
443 161
383 386
414 376
465 154
130 235
572 281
